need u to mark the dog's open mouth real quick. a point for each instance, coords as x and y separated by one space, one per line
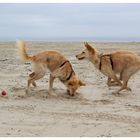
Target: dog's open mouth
80 58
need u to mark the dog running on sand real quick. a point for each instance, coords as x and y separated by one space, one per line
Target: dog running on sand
123 62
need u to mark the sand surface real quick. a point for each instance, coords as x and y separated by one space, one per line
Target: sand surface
93 112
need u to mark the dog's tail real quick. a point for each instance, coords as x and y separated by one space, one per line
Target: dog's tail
23 53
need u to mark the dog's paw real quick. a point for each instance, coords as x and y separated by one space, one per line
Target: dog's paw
129 89
113 83
116 93
68 91
51 93
71 94
27 92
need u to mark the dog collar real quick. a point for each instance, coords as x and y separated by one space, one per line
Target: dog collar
68 78
100 64
63 63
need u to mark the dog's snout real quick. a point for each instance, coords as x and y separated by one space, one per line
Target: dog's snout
76 55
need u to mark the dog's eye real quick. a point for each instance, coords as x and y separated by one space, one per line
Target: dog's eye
83 52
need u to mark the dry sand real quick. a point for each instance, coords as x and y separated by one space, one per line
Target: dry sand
93 112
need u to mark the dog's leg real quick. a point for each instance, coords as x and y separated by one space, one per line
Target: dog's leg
121 75
32 75
51 80
109 81
34 84
28 85
115 78
32 79
107 70
111 75
124 86
112 83
126 74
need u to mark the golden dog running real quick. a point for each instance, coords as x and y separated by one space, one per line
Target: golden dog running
125 63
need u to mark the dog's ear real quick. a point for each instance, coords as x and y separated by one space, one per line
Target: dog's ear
89 47
85 43
81 83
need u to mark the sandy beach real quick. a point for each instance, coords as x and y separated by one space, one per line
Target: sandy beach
94 111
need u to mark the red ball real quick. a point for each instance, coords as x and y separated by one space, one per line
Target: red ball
3 93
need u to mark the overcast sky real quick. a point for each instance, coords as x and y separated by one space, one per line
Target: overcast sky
55 22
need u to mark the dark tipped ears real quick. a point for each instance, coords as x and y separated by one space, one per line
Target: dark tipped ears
89 47
86 44
81 83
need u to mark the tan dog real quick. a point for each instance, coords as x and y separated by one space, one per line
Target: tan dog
58 65
125 63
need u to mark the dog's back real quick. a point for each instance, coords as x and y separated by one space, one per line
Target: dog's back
51 58
123 59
